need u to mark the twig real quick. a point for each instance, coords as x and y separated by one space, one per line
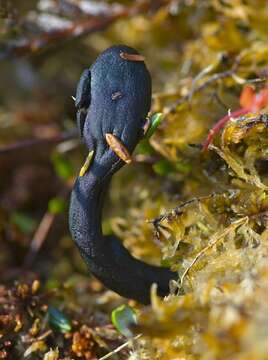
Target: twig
24 47
40 236
44 335
39 338
38 142
81 27
42 232
177 210
217 237
212 79
120 347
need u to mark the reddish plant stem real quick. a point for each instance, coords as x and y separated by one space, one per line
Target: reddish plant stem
220 124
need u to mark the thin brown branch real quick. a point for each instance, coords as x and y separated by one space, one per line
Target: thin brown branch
42 231
40 234
178 209
214 78
37 142
215 239
78 28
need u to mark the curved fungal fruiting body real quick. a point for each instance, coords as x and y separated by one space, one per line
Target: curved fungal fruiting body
113 99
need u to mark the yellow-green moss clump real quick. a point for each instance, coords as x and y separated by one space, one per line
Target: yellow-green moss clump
215 235
219 245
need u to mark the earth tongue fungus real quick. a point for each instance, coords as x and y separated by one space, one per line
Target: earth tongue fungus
113 99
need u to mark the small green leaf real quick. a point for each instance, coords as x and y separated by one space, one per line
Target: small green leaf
166 263
56 205
144 148
59 320
182 167
163 167
63 166
24 222
156 120
123 317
